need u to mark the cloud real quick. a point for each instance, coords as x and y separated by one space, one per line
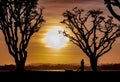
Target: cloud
56 7
68 1
59 1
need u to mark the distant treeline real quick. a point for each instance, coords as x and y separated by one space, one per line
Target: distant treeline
7 67
59 67
110 67
53 67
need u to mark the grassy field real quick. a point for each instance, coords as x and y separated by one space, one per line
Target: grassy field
107 73
38 67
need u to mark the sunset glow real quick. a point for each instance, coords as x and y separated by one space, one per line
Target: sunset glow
55 39
48 45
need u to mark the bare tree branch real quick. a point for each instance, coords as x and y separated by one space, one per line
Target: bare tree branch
110 4
19 20
91 32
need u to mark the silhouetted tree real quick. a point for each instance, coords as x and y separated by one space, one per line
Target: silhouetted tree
111 4
19 20
91 32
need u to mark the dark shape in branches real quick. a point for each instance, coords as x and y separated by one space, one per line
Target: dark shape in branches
110 4
92 32
19 20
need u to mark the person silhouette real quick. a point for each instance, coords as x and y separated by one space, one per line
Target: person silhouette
82 65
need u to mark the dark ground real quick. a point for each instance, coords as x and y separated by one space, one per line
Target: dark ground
68 76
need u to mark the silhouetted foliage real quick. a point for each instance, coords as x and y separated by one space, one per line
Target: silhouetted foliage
110 5
92 32
19 20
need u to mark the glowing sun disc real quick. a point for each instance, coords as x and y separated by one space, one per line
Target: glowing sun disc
54 39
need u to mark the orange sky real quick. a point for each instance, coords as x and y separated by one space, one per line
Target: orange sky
39 53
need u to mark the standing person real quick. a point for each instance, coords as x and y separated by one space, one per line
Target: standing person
82 65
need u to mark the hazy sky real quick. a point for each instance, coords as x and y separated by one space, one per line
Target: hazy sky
38 52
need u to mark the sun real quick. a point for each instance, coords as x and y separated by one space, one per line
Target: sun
55 39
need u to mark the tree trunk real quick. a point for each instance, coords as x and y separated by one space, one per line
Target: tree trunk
20 66
93 62
20 62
